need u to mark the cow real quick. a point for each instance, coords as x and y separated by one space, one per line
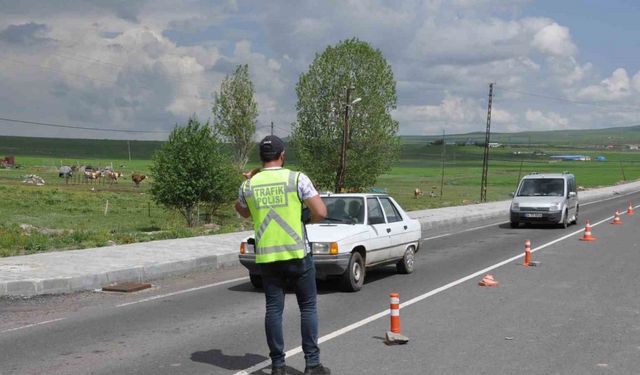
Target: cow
90 175
113 176
137 178
65 171
417 193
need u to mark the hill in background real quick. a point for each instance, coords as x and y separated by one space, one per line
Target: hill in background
562 138
143 150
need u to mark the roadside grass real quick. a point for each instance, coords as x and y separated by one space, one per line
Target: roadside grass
72 216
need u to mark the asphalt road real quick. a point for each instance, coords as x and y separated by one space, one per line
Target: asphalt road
576 313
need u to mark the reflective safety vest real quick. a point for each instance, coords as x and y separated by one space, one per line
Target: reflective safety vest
272 198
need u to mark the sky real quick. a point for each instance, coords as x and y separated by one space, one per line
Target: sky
135 68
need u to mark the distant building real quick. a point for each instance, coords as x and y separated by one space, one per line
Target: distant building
494 144
570 157
633 147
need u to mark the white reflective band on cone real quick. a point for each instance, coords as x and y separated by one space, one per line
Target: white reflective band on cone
395 312
395 300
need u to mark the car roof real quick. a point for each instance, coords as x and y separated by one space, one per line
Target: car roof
353 195
548 175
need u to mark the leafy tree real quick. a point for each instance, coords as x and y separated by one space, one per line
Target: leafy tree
190 170
235 113
322 101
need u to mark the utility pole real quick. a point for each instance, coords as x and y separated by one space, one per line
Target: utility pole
485 160
271 127
345 135
129 149
443 156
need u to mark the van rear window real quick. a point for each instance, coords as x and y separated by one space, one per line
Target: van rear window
542 187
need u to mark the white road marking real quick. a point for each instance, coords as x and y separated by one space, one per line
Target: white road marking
412 301
32 325
183 291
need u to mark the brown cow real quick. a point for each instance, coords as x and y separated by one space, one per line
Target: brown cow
91 175
417 193
137 178
113 176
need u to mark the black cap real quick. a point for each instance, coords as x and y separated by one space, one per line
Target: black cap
271 147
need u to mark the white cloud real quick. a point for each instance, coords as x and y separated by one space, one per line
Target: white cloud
613 88
540 121
554 40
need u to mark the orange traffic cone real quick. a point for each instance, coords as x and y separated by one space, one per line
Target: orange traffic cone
630 210
616 218
488 280
527 253
394 336
587 233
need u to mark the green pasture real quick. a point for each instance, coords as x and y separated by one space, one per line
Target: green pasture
72 215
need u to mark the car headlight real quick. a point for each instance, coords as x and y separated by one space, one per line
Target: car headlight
515 206
324 248
556 206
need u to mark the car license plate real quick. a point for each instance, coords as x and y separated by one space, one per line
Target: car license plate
532 215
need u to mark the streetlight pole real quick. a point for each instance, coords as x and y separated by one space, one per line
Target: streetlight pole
345 137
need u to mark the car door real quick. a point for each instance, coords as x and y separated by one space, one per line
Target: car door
572 197
378 248
398 229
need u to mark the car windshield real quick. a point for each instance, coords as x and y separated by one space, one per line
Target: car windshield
349 210
542 187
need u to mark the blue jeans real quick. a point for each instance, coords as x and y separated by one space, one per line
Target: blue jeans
301 273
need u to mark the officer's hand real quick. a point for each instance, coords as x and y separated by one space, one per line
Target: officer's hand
251 173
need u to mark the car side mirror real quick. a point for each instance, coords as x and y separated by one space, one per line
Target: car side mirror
572 194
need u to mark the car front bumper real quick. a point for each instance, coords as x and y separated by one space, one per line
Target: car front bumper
540 217
326 265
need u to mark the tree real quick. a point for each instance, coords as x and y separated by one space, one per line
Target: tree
235 113
347 71
191 170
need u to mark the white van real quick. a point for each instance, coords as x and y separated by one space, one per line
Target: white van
545 198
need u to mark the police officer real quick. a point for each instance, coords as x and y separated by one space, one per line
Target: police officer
273 197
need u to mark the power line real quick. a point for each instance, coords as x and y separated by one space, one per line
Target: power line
80 58
79 127
596 104
20 62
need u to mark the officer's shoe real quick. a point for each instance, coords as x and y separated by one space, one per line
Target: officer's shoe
317 370
278 371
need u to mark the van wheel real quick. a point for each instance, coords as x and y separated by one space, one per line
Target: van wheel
575 218
353 278
407 263
514 224
256 280
565 220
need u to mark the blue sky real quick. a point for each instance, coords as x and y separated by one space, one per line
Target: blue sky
143 66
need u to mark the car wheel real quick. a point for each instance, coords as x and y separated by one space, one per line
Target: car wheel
256 280
407 263
353 277
514 224
565 220
575 218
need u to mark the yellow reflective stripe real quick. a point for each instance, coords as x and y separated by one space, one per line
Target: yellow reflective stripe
278 248
273 216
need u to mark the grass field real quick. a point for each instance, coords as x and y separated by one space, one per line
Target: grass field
67 216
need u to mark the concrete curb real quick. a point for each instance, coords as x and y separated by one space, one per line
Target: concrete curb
88 269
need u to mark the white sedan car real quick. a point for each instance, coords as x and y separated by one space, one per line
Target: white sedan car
359 232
